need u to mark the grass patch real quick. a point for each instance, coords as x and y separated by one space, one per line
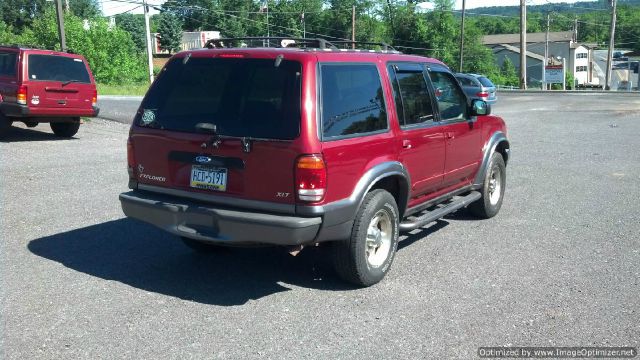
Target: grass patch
129 89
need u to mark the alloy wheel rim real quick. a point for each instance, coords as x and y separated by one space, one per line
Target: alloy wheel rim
495 186
378 242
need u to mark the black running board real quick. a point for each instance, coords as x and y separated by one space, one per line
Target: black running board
433 215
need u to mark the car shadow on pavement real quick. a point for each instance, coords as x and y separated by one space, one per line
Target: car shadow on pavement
16 134
147 258
420 233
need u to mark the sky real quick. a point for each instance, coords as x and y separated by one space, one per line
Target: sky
115 7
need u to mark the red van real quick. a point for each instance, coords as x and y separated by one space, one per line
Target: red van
38 86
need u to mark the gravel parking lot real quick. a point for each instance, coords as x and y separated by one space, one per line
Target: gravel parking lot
559 266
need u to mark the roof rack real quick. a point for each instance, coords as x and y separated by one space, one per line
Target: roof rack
292 42
34 47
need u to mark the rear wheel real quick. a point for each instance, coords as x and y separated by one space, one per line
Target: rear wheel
30 123
492 190
66 129
365 258
200 246
5 124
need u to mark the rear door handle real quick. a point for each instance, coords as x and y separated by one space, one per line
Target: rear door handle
406 144
449 135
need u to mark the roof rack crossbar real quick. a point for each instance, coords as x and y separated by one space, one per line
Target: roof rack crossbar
309 42
385 46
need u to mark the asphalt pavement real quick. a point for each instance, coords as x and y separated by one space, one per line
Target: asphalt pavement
558 266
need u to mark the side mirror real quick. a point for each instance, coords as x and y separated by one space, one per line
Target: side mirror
480 107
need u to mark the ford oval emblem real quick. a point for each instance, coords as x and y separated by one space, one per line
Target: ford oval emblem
203 159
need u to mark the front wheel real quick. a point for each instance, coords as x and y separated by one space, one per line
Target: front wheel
66 129
365 258
492 189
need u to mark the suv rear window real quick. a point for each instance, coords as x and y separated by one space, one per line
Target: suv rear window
57 68
8 64
485 81
242 97
352 100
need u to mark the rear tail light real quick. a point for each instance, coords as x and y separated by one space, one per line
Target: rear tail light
311 178
21 96
94 98
482 94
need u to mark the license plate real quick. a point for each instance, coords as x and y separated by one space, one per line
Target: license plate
203 177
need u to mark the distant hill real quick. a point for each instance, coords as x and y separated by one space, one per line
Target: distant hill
575 8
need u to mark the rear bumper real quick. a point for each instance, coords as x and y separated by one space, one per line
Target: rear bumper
18 110
211 223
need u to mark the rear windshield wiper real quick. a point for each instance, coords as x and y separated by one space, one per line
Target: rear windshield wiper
69 82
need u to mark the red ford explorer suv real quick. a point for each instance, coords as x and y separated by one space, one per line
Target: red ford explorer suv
39 86
307 145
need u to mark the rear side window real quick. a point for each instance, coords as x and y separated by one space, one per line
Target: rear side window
242 97
8 64
466 81
413 102
485 82
57 68
352 100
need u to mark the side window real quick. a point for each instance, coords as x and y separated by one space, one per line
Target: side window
8 64
451 101
413 103
352 100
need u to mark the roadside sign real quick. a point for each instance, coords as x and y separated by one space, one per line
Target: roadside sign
553 74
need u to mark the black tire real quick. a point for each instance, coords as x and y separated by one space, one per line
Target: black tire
5 125
66 129
487 206
353 258
30 123
200 246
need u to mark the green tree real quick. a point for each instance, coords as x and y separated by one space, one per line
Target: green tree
84 9
8 36
508 72
134 25
19 14
170 32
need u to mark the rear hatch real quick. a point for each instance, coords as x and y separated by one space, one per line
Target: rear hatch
221 126
58 81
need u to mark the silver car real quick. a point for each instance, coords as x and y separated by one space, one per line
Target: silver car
478 87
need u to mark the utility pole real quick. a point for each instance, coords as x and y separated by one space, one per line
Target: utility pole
147 30
523 45
546 54
462 35
63 41
304 26
612 34
353 27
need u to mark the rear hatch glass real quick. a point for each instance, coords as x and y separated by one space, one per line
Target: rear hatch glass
57 68
58 82
251 109
242 98
485 82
